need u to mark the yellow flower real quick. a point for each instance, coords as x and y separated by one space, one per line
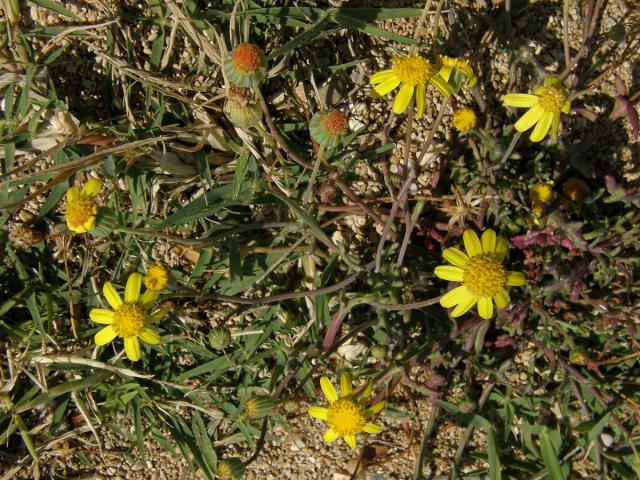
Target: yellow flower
128 320
346 416
81 209
448 65
481 273
542 193
544 106
413 72
464 119
157 277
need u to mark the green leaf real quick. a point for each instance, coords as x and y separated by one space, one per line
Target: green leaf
241 170
364 27
550 457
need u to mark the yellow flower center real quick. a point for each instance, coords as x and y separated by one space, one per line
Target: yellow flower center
128 320
345 417
553 98
413 70
484 275
542 193
157 278
79 211
464 119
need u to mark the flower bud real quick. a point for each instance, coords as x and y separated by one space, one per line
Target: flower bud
231 468
242 107
259 406
219 338
328 128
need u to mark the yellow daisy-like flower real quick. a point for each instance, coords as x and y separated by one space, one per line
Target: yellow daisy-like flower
346 416
81 209
541 195
544 106
157 277
128 319
413 72
448 65
464 119
481 273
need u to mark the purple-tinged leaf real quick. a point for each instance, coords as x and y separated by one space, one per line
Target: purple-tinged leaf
586 113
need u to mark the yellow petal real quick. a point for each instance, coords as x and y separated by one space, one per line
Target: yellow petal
420 94
489 241
345 385
350 440
318 412
382 76
372 428
464 306
555 125
403 99
331 436
132 348
471 243
328 389
445 72
501 249
529 119
375 408
91 188
73 194
520 100
515 279
449 273
441 84
132 290
566 108
485 307
455 296
455 257
542 128
502 298
366 393
100 315
89 224
111 295
471 76
149 336
104 336
386 86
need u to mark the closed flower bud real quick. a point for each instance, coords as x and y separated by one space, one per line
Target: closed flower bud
230 469
259 406
219 338
242 108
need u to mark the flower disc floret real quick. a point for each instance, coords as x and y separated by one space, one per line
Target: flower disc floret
484 275
157 278
246 58
345 417
329 127
335 122
553 98
413 70
128 320
481 274
464 119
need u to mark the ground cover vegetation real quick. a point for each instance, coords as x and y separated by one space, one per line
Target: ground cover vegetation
188 248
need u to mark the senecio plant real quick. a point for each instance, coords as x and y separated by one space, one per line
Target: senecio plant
190 264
